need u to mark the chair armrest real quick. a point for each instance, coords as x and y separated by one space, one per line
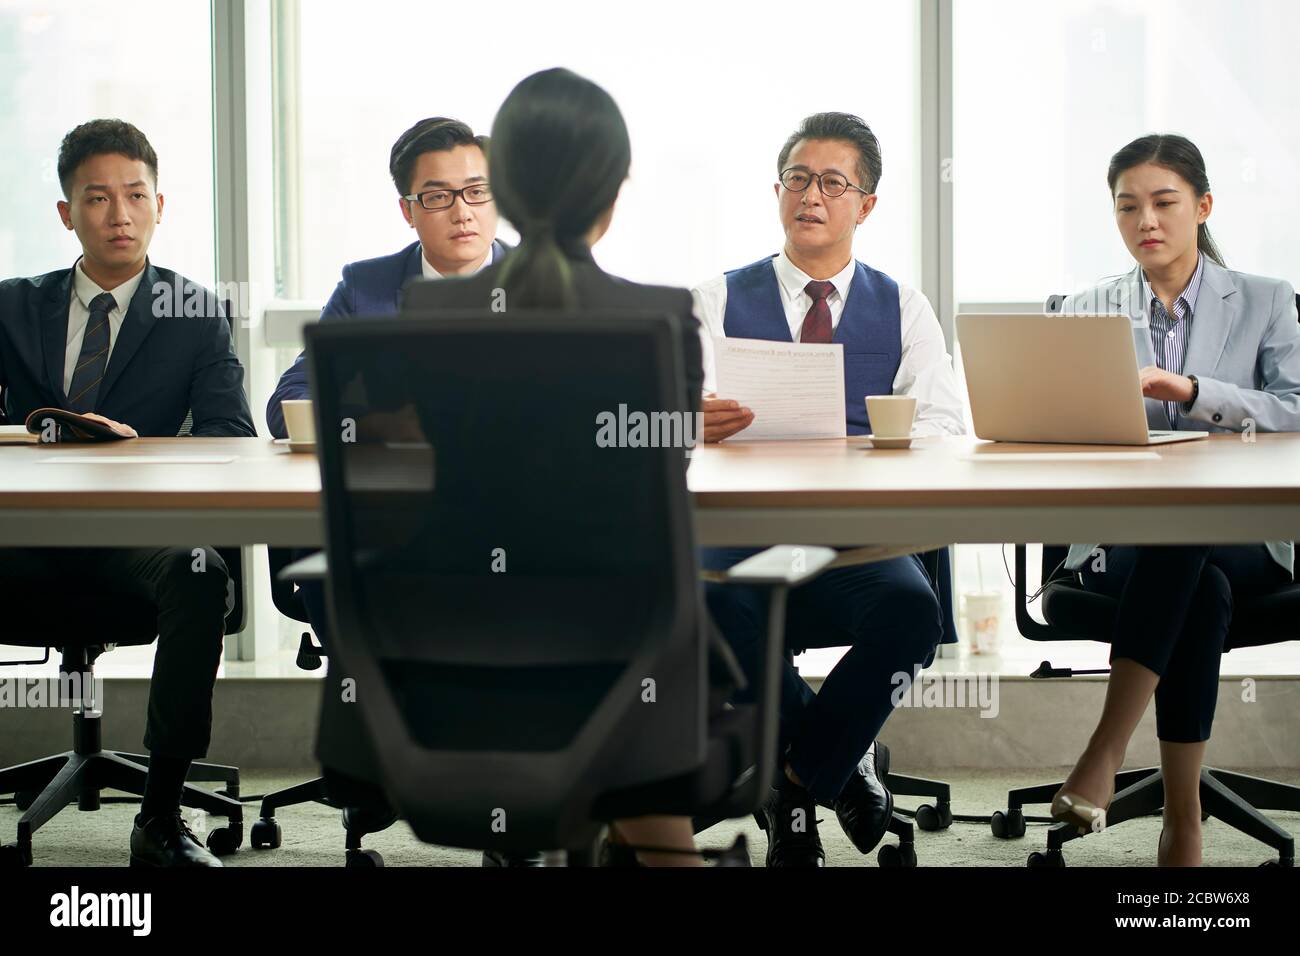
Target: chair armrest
1028 627
43 660
786 564
314 567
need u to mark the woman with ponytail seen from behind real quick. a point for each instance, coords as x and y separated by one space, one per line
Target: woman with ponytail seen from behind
560 154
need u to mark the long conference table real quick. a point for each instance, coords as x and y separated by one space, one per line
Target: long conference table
232 491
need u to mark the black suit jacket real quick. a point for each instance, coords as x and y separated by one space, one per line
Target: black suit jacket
594 289
172 355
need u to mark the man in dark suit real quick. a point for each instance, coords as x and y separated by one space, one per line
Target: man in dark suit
440 170
139 347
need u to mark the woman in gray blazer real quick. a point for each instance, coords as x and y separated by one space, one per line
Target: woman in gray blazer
1220 351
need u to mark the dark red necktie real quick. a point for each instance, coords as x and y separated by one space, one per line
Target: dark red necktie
816 326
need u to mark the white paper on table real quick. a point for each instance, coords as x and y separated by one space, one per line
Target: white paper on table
137 460
794 390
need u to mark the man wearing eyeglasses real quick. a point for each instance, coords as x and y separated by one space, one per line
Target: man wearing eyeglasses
440 170
441 173
886 613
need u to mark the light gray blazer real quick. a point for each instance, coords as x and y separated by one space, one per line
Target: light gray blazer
1244 349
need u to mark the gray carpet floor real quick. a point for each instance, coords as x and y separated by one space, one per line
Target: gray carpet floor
313 836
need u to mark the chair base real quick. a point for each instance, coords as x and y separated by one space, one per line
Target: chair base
928 816
1233 798
42 788
267 835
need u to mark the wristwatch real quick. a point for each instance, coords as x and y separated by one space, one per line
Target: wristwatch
1196 391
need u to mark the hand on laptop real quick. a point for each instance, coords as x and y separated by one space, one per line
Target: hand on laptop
723 417
126 431
1156 383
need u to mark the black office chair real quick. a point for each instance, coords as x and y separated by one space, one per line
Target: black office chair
561 683
928 816
266 832
1074 614
83 625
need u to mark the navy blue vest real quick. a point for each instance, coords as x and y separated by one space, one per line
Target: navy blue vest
869 329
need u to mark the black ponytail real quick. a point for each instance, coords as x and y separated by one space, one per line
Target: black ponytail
560 153
1176 153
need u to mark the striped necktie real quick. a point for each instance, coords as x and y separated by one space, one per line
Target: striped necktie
94 356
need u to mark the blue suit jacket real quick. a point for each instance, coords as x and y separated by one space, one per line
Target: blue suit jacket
369 288
173 355
1244 349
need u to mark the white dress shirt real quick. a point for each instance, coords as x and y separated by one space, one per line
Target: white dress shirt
84 290
429 272
924 371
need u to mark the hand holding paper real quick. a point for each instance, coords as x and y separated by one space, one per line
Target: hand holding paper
794 390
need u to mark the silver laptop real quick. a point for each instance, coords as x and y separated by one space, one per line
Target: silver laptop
1066 379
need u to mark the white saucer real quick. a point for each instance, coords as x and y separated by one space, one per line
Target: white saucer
890 442
308 447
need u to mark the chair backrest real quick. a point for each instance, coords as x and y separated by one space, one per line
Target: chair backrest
511 558
284 595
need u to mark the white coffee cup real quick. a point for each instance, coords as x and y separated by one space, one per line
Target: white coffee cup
891 415
299 420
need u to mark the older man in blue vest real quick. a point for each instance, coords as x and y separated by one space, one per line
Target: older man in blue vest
886 613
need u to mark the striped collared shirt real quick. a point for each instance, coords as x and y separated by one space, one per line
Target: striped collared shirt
1169 334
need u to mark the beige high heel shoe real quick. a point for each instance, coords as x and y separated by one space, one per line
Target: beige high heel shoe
1074 809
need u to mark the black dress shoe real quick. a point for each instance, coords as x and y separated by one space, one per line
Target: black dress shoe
497 858
167 841
789 816
865 806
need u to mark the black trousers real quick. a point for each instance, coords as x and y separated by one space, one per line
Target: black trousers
889 617
192 607
1175 607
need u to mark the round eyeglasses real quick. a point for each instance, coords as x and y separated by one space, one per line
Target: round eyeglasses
832 185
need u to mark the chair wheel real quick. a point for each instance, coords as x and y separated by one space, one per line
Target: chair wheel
224 841
364 859
13 855
1282 863
1052 858
931 818
265 834
897 857
1009 825
25 798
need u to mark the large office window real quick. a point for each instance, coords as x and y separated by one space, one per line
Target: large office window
1040 108
709 90
148 62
